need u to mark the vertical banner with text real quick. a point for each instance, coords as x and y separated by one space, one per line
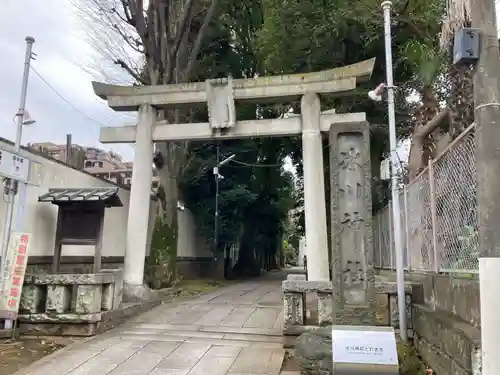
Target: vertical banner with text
13 274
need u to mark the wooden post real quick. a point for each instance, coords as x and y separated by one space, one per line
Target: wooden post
98 244
56 260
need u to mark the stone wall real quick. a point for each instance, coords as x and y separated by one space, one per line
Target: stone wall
446 322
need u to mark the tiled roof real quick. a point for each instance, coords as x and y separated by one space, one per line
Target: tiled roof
60 196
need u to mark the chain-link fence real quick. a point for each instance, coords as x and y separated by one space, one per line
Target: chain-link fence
438 215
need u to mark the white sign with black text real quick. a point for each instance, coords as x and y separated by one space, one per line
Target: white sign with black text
14 166
364 345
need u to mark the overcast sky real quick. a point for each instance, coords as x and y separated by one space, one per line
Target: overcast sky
61 53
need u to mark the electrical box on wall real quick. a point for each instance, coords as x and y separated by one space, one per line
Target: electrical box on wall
385 169
466 46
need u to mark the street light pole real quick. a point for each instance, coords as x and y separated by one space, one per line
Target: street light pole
12 185
218 177
396 212
216 219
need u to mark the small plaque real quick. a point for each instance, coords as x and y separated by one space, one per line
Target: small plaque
14 166
363 348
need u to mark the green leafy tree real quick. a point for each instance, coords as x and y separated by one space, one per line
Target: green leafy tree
303 36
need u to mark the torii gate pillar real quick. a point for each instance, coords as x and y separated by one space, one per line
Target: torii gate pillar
314 190
139 206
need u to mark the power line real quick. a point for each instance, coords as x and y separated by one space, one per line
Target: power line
257 165
67 101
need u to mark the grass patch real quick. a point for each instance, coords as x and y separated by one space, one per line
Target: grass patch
409 360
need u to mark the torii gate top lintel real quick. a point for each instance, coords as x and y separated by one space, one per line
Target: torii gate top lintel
337 80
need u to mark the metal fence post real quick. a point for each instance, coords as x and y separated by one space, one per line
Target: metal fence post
379 237
407 240
432 191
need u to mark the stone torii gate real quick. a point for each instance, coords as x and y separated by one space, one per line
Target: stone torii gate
220 95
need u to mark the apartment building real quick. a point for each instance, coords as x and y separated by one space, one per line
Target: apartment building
104 164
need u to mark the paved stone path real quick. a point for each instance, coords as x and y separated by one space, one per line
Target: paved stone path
234 331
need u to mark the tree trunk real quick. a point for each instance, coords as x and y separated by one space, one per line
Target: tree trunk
417 159
247 264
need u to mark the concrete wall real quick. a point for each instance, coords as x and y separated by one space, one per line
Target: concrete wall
194 255
446 322
190 243
40 218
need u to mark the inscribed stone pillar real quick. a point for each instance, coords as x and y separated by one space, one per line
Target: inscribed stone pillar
314 190
353 279
138 214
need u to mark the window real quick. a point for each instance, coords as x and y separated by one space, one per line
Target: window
88 164
98 164
127 181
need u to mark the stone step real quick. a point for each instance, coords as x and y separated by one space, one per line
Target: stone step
204 328
201 334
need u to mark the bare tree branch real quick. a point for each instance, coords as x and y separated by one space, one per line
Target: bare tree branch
129 70
126 11
159 40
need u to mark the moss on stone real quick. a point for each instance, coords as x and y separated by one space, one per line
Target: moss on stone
161 271
409 360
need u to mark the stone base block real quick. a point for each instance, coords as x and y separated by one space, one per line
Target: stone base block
58 299
80 325
356 316
113 293
88 299
136 293
32 298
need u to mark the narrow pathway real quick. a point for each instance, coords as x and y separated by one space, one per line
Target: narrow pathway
234 331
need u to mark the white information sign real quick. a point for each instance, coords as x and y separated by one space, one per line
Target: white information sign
14 166
369 347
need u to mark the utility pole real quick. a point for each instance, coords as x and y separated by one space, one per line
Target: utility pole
69 151
13 185
396 211
487 118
